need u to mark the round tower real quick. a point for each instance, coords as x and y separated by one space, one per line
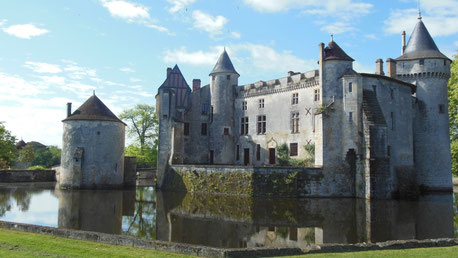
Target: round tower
223 80
92 148
422 64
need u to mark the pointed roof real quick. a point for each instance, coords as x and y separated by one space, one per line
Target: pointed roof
224 64
20 144
93 109
175 80
334 52
421 45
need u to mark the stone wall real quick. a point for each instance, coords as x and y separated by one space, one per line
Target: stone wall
14 176
259 181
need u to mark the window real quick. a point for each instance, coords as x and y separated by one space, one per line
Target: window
237 154
295 98
226 131
244 126
293 149
258 152
388 151
350 116
317 95
262 124
244 105
211 114
294 122
350 87
203 129
186 129
261 103
392 121
374 88
445 62
213 77
228 77
441 108
392 94
204 109
422 61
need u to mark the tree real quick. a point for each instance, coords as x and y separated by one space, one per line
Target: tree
142 124
453 113
8 151
46 156
147 159
26 154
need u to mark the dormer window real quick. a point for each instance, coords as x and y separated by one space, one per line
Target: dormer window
228 77
422 61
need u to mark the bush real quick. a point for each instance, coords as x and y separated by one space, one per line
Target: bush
39 167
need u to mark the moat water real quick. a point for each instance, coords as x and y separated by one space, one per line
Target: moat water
231 222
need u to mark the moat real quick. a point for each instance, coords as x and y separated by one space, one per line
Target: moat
229 221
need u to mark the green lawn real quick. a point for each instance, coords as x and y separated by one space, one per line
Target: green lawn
417 252
21 244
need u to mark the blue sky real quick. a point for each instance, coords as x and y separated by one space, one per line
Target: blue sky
54 52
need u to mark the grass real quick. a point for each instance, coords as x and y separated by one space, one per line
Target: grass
451 251
22 244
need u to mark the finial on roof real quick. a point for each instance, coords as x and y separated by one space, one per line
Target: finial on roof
93 92
332 37
419 10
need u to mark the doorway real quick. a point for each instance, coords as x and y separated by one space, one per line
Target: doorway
272 156
246 156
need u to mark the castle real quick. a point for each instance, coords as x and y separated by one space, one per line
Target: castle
374 135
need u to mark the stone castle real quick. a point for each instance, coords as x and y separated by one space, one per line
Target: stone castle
374 135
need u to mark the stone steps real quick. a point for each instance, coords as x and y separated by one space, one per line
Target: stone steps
371 108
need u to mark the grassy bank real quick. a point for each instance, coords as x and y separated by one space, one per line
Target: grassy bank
417 252
21 244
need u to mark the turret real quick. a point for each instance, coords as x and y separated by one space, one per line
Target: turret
223 80
425 66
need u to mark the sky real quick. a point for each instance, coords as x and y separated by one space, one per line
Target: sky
54 52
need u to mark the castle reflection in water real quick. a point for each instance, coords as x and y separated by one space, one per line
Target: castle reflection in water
234 222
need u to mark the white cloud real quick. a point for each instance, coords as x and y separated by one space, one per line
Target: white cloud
135 80
25 31
363 68
244 56
440 17
2 22
77 72
132 13
14 86
344 11
371 36
337 28
236 35
178 5
206 22
126 70
197 58
42 67
58 80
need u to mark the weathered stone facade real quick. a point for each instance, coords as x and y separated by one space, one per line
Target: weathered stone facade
374 136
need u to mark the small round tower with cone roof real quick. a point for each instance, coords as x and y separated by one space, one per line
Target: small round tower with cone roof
223 80
425 66
92 148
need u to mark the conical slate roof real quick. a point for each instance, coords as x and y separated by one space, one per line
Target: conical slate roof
421 45
93 109
20 144
334 52
224 64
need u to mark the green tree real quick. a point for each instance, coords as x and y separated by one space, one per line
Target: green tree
147 159
142 125
8 151
26 154
453 113
46 156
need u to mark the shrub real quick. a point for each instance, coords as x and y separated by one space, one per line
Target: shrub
39 167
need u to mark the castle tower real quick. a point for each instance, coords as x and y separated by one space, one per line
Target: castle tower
333 63
92 148
223 80
425 66
172 100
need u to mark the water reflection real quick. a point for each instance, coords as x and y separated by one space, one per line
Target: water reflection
231 222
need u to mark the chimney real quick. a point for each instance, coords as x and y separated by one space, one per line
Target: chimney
168 71
195 84
391 68
403 42
69 109
290 73
379 67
